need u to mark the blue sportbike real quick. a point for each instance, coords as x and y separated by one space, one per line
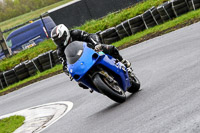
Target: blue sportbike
100 72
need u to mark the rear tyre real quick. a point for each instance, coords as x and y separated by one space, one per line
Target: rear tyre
110 89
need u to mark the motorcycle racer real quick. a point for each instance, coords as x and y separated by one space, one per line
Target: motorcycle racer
62 37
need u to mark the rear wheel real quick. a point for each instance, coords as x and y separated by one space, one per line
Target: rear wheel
110 88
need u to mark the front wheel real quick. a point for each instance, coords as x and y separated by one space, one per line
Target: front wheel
110 89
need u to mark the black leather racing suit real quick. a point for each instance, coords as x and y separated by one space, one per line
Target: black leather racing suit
78 35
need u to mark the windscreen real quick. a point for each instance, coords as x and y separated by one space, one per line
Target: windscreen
74 51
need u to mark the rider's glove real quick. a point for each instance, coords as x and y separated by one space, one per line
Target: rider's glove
65 69
98 48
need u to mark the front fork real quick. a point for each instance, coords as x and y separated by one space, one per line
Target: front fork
130 72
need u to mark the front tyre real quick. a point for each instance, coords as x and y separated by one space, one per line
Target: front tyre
110 89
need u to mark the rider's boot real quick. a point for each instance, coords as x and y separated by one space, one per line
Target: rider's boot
113 51
126 63
82 86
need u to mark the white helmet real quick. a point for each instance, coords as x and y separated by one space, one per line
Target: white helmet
60 35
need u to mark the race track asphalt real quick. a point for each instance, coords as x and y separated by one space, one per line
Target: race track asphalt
169 102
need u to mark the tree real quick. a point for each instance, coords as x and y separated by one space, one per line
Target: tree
14 8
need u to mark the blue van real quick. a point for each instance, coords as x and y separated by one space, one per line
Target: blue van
30 35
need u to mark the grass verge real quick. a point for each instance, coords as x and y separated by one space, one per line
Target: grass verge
10 124
28 54
39 76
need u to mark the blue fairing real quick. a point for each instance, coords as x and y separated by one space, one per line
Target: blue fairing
89 59
84 63
122 77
